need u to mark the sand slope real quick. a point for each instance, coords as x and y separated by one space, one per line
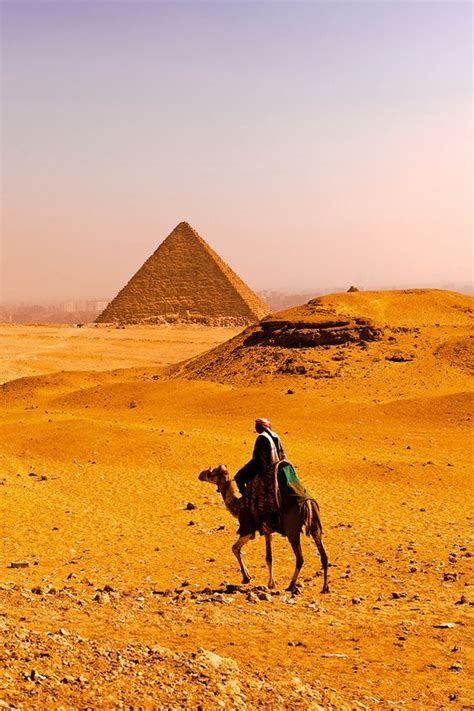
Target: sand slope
126 586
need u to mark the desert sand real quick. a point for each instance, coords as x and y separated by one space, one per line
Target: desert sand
130 595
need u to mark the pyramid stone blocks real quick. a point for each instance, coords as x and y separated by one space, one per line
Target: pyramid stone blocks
185 281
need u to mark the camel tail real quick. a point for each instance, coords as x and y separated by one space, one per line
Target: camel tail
311 521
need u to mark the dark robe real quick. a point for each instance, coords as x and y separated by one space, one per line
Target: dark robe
257 483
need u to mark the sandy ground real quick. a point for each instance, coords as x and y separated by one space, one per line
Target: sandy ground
132 597
36 350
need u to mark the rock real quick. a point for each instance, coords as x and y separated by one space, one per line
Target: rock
132 404
396 595
213 660
462 600
456 667
290 391
445 625
356 600
399 357
184 595
190 506
262 595
19 564
334 655
102 597
450 577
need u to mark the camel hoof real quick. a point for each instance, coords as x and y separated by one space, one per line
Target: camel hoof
245 581
325 590
271 585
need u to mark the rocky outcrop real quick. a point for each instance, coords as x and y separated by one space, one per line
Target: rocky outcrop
290 334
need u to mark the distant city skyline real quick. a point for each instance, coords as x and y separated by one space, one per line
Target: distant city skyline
309 143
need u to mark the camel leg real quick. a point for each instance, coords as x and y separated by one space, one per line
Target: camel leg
269 559
324 559
236 550
296 545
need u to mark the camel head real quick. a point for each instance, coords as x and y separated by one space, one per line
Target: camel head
216 475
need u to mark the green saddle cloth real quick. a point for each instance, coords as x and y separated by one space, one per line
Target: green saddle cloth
292 490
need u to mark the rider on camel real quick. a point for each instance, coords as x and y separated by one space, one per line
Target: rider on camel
257 482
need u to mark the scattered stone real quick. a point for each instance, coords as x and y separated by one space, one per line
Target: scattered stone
356 600
396 595
445 625
190 506
456 667
68 679
399 357
102 598
462 600
225 664
132 404
19 564
334 655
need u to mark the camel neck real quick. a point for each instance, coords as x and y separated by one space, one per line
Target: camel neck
228 493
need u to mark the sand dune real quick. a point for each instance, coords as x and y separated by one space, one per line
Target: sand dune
126 585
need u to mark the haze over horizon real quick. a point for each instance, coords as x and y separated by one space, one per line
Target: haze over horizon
309 143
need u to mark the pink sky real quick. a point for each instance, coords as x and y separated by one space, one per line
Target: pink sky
311 144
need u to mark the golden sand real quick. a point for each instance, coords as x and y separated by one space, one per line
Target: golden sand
126 585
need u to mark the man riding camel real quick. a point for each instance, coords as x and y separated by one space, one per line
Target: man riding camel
256 480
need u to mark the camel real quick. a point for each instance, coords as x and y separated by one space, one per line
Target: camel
298 517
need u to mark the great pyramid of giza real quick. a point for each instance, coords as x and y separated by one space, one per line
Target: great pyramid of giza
185 281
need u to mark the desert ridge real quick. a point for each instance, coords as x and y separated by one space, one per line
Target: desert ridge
185 281
396 338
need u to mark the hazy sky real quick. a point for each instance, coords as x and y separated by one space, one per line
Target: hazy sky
310 143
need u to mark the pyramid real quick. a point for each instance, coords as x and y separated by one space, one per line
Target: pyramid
185 281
